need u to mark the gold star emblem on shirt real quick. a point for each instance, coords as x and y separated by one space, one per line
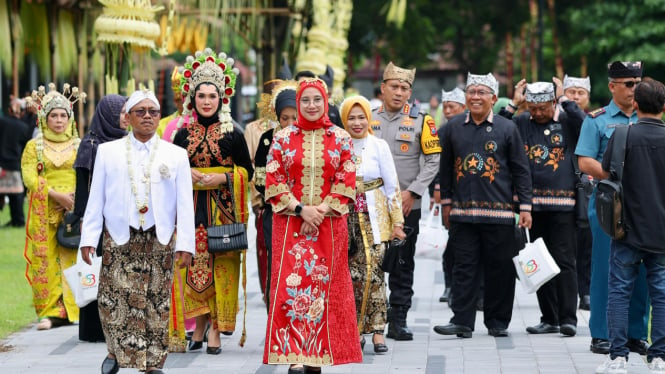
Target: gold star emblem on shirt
473 162
538 152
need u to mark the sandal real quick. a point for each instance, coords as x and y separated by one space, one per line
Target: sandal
45 324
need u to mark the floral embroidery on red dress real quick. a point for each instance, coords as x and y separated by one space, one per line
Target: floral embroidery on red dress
307 289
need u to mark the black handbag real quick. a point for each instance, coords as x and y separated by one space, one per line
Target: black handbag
226 238
69 231
392 258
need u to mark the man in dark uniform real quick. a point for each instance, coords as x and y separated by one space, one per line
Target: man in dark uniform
549 135
482 164
597 129
411 135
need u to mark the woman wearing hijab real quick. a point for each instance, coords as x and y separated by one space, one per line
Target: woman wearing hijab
47 171
221 168
310 180
105 126
374 219
283 105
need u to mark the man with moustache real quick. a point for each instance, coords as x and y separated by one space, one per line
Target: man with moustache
411 135
141 185
597 129
482 164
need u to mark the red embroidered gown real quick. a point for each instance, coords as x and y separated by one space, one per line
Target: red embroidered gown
311 318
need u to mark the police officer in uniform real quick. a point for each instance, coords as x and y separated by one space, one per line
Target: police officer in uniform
597 129
411 134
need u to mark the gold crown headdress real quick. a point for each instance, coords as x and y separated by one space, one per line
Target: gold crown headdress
46 102
211 68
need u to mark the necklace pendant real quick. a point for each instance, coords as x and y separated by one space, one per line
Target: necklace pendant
143 209
141 221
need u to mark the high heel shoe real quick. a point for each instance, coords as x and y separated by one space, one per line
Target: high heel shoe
213 350
379 347
362 343
194 345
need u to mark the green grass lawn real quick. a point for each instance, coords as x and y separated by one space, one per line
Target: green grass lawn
16 310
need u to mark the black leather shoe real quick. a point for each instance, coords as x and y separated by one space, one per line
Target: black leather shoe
600 346
444 297
542 328
312 369
213 350
399 332
194 345
497 332
585 302
568 329
110 366
453 329
154 371
638 346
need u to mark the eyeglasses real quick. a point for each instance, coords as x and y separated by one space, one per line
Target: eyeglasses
306 101
480 93
142 112
628 84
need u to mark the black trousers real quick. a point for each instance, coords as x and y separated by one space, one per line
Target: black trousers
16 208
401 283
584 245
491 248
558 297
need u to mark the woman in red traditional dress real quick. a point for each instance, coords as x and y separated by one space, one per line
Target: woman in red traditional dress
310 179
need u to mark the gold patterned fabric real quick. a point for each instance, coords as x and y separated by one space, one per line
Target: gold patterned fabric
46 259
372 296
135 297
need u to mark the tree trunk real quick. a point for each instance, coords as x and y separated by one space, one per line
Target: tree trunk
558 61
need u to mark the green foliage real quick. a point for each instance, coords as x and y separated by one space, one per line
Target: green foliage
16 310
475 30
625 30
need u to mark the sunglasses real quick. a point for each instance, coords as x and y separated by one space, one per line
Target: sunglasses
628 84
142 112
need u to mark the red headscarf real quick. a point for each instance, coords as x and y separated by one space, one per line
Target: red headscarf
323 121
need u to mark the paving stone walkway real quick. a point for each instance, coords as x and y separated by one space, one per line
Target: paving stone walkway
58 351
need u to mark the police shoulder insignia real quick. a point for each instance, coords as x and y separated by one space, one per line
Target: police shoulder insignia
597 112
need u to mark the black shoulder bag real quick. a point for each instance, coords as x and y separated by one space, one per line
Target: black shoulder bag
609 192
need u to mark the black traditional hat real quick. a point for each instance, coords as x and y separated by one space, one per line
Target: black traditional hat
625 69
328 77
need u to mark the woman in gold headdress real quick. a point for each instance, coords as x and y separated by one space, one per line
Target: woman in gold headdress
48 173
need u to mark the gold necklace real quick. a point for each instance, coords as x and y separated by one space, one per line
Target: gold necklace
141 207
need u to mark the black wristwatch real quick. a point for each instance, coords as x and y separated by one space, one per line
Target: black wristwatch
298 209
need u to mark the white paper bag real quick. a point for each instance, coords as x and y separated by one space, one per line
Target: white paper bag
534 265
83 279
433 236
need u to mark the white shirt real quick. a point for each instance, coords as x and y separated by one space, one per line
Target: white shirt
141 165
